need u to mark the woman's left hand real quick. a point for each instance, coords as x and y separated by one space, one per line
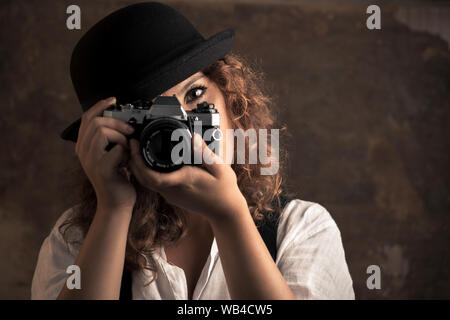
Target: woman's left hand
210 190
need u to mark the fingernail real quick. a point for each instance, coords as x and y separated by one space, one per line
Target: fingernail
129 129
111 99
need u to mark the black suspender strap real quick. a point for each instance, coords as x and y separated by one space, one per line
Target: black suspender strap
125 288
267 229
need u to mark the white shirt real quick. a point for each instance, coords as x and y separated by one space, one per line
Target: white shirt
310 257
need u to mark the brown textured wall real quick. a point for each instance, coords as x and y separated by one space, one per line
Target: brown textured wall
368 112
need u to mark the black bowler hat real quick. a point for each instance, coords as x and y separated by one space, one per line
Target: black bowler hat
138 52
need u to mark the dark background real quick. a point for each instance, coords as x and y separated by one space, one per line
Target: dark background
368 113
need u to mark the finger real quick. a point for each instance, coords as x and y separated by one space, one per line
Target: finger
115 124
87 116
101 138
115 158
98 108
126 172
210 161
138 167
148 177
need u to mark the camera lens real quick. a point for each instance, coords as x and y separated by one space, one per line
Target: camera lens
157 144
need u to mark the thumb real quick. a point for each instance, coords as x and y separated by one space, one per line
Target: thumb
116 157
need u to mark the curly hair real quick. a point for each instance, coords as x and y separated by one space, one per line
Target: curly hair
155 222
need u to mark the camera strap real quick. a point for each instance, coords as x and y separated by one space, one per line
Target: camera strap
267 229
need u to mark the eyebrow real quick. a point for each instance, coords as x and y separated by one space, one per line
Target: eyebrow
187 85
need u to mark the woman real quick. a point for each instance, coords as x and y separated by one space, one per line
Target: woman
169 228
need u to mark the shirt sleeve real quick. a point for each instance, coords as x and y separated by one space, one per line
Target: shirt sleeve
54 257
310 253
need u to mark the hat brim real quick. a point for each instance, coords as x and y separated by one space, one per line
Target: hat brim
185 65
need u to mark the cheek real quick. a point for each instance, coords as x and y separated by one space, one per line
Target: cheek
225 121
226 124
226 127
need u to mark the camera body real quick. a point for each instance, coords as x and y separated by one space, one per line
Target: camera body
154 125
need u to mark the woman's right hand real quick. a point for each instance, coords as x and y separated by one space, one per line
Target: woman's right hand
106 170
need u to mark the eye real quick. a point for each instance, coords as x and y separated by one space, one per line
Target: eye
195 93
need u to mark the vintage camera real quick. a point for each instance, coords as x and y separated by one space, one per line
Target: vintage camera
155 123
